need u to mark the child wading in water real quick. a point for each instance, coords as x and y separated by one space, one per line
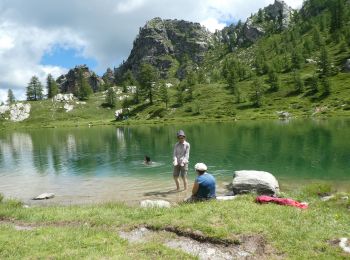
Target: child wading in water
180 159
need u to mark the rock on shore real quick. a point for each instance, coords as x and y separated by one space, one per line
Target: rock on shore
16 112
261 182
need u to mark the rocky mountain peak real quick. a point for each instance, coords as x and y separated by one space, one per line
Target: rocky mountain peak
69 82
273 18
279 10
167 43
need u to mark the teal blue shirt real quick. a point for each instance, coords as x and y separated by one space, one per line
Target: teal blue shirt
206 188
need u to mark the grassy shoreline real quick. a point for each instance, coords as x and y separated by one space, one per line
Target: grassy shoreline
91 231
165 121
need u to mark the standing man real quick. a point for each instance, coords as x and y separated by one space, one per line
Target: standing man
180 159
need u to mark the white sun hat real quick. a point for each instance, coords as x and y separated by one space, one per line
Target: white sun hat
201 167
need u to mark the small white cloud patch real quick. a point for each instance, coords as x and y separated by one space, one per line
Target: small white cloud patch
212 24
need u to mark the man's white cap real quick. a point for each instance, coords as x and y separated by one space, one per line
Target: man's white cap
201 167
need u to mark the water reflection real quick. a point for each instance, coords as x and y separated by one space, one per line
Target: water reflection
297 150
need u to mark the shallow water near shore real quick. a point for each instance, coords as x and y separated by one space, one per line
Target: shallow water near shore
100 164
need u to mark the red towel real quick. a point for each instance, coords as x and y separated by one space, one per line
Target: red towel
281 201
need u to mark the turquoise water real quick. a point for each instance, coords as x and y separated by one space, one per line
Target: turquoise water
105 163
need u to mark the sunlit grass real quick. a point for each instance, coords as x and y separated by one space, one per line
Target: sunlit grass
92 230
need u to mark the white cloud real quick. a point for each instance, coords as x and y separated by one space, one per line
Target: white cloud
213 24
6 42
128 6
102 30
3 95
21 52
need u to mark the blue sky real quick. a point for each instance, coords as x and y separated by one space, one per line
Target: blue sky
68 58
39 37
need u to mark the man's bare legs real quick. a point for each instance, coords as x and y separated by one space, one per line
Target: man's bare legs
184 179
176 179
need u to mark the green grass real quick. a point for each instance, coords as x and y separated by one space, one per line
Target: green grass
92 230
76 243
210 102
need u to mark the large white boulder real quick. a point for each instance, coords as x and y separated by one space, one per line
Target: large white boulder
63 97
255 181
155 204
19 112
4 109
68 107
15 112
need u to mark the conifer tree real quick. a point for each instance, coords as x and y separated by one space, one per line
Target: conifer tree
298 82
179 96
260 17
314 84
111 97
34 89
84 90
273 80
128 80
324 63
52 88
191 78
136 95
297 59
10 97
260 63
338 14
94 82
316 36
147 79
326 86
164 94
232 80
308 46
257 92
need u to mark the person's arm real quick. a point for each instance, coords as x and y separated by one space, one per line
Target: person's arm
195 188
187 154
174 156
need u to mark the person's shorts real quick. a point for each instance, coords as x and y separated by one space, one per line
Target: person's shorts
180 170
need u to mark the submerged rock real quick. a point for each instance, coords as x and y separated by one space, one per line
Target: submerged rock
261 182
155 204
44 196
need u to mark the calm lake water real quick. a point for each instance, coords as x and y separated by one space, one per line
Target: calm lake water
98 164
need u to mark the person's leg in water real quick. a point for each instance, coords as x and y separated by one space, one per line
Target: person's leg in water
176 174
184 179
184 170
176 179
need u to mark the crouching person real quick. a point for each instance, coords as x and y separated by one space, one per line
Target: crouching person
204 184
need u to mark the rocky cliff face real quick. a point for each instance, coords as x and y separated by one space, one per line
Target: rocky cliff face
275 17
167 43
69 82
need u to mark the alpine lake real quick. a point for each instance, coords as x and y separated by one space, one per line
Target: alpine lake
105 163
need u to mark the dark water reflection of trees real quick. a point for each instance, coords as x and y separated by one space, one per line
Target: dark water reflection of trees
302 148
